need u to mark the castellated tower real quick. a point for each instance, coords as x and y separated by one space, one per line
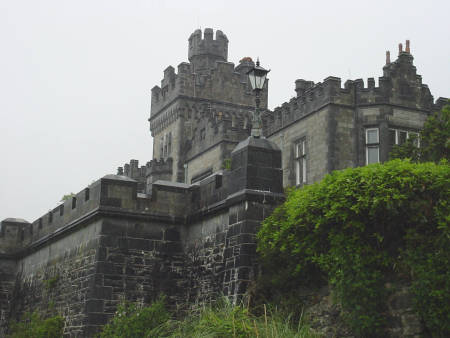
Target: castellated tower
205 52
200 112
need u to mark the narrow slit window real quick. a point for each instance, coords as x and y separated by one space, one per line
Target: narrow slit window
74 202
300 162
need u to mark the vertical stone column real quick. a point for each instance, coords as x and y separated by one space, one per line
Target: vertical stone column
256 188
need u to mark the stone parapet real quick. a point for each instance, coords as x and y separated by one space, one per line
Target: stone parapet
399 86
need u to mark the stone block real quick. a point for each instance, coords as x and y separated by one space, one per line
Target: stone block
94 305
109 228
249 227
109 268
243 260
246 238
172 234
168 247
97 318
138 244
100 292
248 249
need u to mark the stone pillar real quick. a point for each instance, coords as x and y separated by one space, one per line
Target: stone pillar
256 165
256 179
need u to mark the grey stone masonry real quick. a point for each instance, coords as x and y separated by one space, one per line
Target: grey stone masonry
110 242
185 224
203 110
332 120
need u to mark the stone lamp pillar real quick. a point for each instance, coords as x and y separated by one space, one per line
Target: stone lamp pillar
256 165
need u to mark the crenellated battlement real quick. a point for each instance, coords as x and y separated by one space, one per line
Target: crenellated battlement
184 224
158 169
207 76
65 212
133 171
206 48
400 85
224 82
158 165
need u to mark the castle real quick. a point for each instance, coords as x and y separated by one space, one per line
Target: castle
185 223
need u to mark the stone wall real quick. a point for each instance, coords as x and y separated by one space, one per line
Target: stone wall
313 128
324 314
8 272
205 104
112 243
333 119
58 278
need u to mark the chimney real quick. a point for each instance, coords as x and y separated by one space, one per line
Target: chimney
388 57
400 48
407 47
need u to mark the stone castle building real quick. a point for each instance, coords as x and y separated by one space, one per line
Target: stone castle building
185 223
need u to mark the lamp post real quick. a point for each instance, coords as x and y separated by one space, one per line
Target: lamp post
257 76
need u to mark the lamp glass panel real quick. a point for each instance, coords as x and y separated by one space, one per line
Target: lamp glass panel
261 79
252 78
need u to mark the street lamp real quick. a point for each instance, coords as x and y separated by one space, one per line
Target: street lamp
257 77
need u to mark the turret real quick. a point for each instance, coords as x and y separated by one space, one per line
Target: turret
204 52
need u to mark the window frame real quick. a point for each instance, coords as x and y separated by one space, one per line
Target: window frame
408 133
300 158
372 145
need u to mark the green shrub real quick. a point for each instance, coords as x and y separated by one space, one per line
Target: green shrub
434 140
357 229
33 325
133 321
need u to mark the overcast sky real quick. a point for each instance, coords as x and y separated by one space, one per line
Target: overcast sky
75 76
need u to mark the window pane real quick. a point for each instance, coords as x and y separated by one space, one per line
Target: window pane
297 172
372 136
391 137
401 137
415 136
372 155
303 148
303 170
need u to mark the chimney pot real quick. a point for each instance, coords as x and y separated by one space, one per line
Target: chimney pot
407 47
388 57
400 48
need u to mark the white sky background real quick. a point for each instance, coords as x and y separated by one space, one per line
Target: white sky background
75 76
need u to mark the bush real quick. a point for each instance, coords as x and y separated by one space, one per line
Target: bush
133 321
33 325
358 229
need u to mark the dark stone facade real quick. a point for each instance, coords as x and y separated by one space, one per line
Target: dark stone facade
111 243
185 223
